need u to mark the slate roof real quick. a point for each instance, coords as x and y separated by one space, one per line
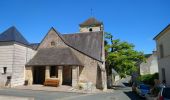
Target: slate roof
88 43
54 56
90 22
162 32
34 45
13 35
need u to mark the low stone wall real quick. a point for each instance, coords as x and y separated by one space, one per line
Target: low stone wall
29 75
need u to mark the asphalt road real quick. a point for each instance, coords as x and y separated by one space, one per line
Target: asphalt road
121 93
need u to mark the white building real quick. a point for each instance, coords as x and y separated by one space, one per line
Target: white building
15 52
150 66
163 49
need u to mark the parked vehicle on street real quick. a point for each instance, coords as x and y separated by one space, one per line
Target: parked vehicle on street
164 93
143 90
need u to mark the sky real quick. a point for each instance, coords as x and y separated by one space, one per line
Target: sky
134 21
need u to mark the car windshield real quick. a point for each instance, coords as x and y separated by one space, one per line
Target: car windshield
144 87
166 93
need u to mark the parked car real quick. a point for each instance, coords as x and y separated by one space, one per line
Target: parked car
164 93
143 90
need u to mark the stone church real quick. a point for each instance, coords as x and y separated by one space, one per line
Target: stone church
72 58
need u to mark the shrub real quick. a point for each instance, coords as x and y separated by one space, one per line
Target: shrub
122 75
148 79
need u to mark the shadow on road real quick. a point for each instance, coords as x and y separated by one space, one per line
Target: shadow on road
127 84
133 96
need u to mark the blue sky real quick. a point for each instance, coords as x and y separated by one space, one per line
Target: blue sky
134 21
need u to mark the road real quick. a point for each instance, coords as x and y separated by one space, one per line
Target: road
119 93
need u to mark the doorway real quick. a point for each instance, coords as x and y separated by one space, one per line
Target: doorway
67 75
39 75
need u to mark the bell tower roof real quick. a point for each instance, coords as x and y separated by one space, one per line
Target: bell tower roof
91 22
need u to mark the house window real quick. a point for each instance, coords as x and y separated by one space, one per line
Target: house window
52 43
163 74
90 29
161 51
4 70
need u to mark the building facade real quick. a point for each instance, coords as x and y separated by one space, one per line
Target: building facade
150 66
15 52
72 58
163 49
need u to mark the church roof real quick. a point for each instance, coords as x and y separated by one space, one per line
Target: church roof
90 22
88 43
13 35
54 56
34 45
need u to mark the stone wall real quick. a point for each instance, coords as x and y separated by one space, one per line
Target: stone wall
29 75
52 36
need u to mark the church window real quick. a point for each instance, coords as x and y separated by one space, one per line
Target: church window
52 43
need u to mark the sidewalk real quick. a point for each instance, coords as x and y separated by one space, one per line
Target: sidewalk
2 97
62 88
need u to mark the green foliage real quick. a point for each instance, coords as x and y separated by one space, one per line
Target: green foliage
121 55
122 75
148 79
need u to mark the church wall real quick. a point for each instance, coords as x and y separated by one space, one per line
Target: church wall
52 37
88 73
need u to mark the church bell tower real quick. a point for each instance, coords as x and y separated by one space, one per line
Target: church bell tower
91 25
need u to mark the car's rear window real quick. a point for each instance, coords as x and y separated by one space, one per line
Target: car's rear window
166 93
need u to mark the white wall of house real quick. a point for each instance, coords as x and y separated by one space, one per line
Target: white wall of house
6 56
14 56
150 66
164 61
154 65
6 60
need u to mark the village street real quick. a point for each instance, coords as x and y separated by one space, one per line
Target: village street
120 93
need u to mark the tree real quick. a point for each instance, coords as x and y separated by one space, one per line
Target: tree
121 55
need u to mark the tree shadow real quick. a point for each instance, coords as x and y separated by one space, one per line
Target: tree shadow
127 84
133 96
